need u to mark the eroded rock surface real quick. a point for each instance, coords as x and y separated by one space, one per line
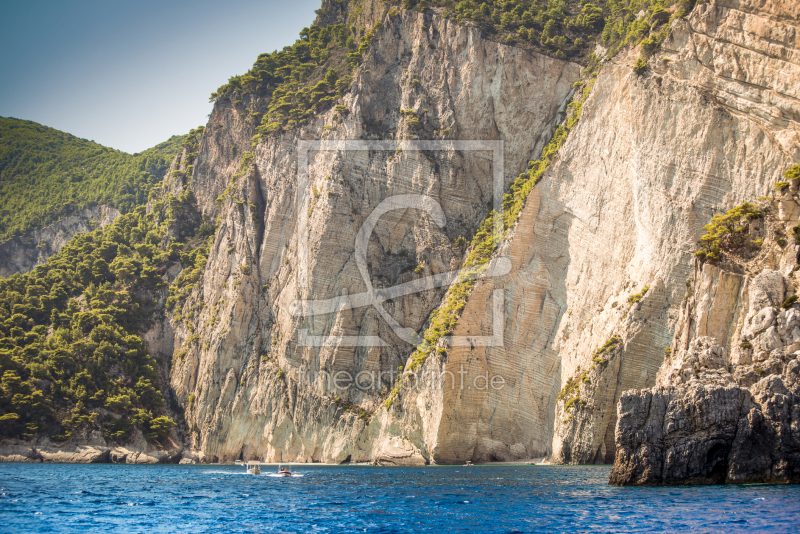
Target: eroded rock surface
23 253
257 389
601 252
91 448
712 124
617 215
726 404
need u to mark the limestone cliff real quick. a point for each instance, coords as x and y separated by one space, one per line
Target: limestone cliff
726 405
23 253
599 257
711 124
242 366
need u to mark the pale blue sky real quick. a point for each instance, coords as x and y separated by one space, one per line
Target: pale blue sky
131 74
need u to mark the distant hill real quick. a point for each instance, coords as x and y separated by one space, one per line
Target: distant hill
46 174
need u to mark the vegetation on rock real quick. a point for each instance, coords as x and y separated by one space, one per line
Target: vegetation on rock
570 394
789 302
636 297
486 240
568 29
599 355
728 231
314 72
792 173
301 79
71 356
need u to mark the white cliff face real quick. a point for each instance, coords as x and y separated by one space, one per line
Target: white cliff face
241 351
652 159
21 254
602 250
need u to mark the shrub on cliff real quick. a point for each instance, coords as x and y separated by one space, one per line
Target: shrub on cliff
796 234
633 299
728 231
161 425
295 78
792 173
301 79
640 67
548 25
599 355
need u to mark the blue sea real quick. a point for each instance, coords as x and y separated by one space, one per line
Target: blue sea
444 500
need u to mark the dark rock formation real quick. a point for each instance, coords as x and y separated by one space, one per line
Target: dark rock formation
711 430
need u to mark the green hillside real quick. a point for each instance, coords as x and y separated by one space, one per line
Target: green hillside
46 174
71 355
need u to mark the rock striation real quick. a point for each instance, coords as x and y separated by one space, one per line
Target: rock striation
599 259
602 249
653 158
258 391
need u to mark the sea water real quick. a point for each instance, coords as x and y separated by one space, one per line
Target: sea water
339 499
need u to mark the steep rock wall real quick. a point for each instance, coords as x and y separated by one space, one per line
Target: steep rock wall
241 365
712 123
602 250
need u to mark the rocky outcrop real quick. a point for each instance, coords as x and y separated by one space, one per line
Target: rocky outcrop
707 428
91 449
23 253
599 261
726 404
398 451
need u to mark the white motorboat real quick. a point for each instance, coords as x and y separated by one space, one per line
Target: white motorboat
253 468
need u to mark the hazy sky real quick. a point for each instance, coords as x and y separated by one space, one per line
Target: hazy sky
131 74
